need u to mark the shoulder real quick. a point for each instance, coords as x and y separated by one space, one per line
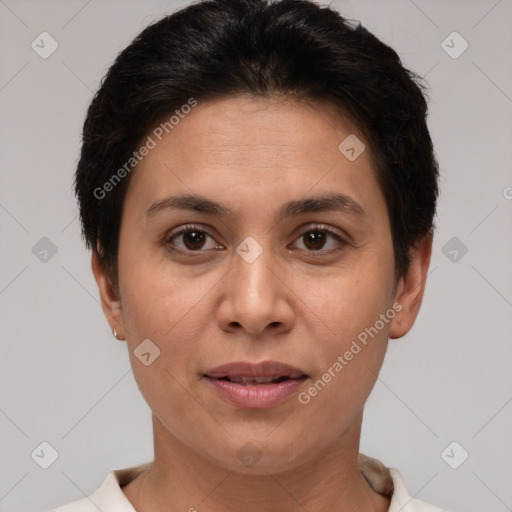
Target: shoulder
83 505
109 497
403 502
389 482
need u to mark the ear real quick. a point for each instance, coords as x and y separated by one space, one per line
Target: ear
410 288
110 302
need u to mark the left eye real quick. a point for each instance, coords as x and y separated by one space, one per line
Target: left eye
194 239
315 238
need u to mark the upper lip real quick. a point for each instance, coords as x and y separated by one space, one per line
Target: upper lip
263 369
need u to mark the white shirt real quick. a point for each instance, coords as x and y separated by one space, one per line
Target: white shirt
387 481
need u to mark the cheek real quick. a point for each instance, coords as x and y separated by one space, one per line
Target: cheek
170 307
349 355
156 294
347 303
172 321
348 307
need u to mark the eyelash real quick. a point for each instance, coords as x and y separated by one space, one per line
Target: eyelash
321 228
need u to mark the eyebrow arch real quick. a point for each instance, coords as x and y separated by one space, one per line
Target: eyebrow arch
324 203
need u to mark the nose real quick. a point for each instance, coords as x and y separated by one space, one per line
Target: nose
256 297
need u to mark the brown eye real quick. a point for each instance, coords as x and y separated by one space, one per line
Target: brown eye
191 239
317 237
314 240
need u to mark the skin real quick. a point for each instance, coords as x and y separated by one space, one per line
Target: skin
293 304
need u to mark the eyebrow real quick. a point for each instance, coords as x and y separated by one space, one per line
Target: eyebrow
325 203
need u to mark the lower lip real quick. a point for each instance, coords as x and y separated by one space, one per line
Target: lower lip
257 396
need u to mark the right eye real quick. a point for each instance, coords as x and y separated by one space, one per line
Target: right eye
193 239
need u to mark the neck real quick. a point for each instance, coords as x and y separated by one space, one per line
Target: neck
183 478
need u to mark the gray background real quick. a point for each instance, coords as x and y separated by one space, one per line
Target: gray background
65 379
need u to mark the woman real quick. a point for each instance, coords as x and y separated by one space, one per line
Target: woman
258 185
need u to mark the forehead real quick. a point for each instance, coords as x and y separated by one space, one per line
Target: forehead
264 149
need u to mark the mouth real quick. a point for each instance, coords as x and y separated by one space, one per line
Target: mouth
256 386
248 381
267 372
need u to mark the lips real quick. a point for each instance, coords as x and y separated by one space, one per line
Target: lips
256 386
267 372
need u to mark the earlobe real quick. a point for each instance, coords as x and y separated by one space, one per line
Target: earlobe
110 302
411 287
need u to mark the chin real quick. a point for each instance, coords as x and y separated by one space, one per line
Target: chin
260 456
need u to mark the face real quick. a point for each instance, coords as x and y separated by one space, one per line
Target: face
288 258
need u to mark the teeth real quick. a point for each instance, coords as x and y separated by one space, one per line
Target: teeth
259 380
252 380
